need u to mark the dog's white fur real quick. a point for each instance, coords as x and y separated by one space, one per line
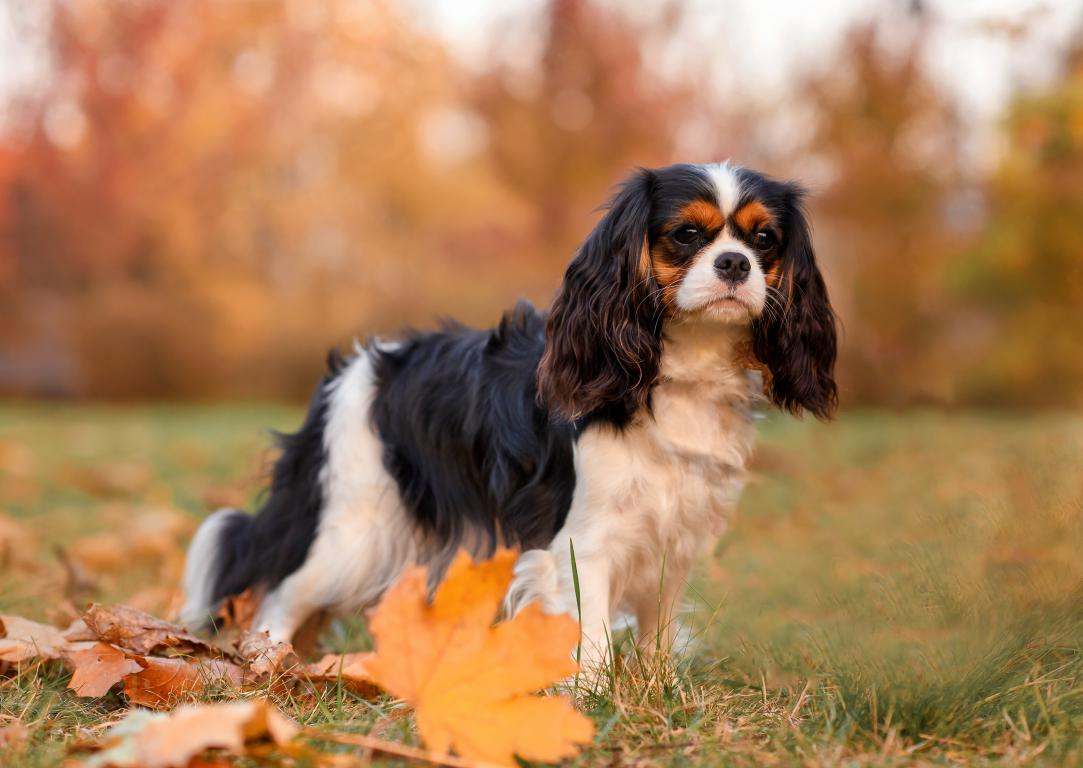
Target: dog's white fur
649 500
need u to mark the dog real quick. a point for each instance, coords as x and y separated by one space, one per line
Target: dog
618 425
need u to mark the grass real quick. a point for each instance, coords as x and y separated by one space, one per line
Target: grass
897 589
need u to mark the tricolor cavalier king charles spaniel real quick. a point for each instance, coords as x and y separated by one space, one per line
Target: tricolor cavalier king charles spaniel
619 423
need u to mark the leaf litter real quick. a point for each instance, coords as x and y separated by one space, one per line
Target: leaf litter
472 683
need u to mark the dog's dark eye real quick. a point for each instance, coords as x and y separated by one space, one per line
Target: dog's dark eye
686 235
764 239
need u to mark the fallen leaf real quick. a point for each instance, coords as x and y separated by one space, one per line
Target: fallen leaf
16 458
119 478
239 611
158 533
78 584
22 639
100 552
216 497
160 740
140 632
13 735
155 600
265 657
351 668
470 681
97 669
159 683
78 630
18 545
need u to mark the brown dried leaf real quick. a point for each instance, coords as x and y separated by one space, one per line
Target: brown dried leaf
99 553
77 631
265 657
218 496
98 668
22 639
159 740
140 632
159 683
156 600
239 611
16 459
78 584
13 735
18 546
158 533
118 478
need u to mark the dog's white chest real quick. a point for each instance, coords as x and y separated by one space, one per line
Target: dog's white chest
673 476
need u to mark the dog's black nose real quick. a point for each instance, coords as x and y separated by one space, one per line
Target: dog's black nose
732 267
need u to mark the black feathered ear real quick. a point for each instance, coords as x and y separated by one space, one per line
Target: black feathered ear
603 335
796 338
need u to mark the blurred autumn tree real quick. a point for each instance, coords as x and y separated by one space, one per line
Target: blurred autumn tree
564 132
203 196
212 193
208 187
1025 277
891 216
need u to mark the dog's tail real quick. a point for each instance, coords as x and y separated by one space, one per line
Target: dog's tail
233 551
222 544
222 541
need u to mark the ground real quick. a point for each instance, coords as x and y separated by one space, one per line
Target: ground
898 588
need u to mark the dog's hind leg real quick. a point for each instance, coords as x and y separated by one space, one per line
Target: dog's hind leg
365 537
358 553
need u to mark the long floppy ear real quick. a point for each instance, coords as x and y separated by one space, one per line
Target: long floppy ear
603 335
796 338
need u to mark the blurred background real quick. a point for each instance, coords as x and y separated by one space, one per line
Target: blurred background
198 198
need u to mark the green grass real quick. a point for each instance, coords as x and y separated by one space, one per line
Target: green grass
897 588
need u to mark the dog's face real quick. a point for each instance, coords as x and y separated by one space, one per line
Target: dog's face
710 243
714 243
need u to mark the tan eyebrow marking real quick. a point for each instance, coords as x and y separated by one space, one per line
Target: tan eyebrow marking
752 216
702 213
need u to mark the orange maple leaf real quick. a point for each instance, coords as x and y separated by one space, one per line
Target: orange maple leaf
471 681
98 668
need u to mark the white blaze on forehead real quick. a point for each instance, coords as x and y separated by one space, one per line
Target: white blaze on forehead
727 185
701 286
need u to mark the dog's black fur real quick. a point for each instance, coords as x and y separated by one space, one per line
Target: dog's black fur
268 547
465 438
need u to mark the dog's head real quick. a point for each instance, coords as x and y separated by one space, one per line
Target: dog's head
703 243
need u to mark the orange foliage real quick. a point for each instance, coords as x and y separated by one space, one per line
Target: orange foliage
471 681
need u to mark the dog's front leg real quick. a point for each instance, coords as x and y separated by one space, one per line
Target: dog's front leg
595 595
656 611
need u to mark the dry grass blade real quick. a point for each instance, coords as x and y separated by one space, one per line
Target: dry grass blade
380 746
